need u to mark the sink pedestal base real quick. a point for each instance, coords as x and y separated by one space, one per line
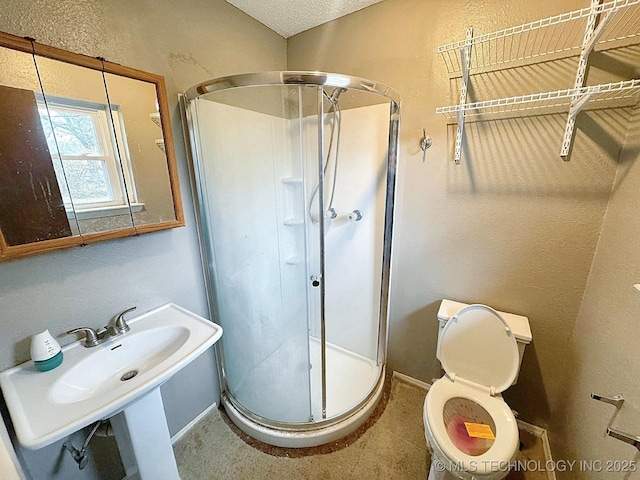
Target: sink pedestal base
143 440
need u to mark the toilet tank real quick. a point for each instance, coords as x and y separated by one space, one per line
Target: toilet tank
519 325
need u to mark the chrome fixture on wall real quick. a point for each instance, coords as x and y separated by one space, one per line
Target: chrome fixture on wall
624 437
425 143
617 401
336 129
354 216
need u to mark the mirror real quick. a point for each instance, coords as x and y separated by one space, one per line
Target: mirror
86 152
29 210
133 106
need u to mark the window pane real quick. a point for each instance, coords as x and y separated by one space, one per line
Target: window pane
88 180
75 131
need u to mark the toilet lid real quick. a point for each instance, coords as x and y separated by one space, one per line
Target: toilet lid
478 345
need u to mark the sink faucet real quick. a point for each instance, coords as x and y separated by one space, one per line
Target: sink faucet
96 337
120 327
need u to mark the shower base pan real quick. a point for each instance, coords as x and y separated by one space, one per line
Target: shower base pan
354 389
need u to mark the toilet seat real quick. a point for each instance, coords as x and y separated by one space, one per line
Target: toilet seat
505 445
479 354
478 345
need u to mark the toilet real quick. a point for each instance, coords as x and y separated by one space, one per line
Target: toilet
471 432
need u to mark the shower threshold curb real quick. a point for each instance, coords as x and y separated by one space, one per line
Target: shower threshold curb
309 438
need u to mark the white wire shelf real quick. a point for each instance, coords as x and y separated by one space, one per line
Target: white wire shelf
558 36
627 91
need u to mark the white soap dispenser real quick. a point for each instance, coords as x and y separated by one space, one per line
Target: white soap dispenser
45 351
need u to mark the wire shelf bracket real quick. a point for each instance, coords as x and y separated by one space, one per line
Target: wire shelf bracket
601 24
465 60
591 36
577 103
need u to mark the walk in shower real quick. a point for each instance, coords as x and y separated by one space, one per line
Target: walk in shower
294 179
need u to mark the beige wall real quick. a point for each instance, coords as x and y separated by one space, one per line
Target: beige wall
513 226
603 355
187 42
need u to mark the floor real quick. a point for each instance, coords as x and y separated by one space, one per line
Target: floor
391 448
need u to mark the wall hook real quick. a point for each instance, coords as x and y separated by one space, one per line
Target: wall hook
425 143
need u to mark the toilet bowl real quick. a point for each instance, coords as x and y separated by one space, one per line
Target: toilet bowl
470 430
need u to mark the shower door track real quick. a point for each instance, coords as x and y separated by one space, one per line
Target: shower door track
306 426
323 336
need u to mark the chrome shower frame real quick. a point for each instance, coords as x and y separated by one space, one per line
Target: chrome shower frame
316 432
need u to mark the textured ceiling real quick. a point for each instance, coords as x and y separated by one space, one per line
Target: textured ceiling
288 17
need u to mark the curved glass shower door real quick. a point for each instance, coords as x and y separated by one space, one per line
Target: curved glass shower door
295 177
256 216
355 137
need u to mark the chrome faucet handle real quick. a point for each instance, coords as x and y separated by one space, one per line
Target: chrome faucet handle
121 324
91 337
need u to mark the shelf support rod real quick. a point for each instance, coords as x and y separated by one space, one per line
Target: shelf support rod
604 21
583 63
465 60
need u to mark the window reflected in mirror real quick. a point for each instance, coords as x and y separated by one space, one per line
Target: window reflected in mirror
83 143
83 153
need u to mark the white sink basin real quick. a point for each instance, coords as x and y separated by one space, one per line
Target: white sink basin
96 383
125 355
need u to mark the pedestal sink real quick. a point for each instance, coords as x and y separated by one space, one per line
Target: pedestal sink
119 379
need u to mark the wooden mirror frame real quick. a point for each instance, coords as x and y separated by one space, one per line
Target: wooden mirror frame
30 46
